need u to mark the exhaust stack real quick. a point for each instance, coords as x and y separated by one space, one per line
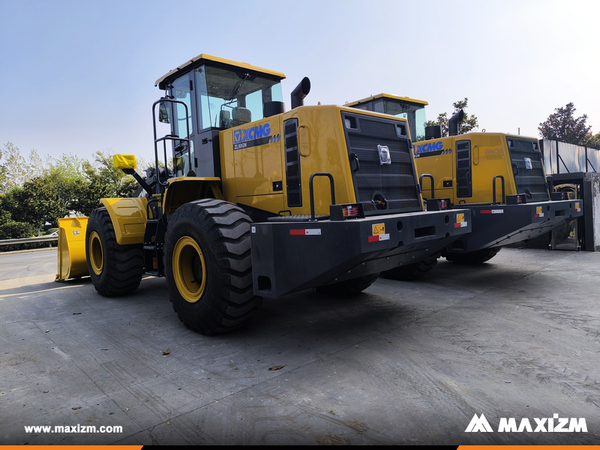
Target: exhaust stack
300 92
454 121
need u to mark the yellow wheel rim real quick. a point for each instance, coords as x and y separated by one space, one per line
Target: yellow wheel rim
96 253
189 269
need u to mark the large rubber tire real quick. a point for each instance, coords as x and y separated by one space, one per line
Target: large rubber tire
473 258
208 266
348 288
411 272
115 269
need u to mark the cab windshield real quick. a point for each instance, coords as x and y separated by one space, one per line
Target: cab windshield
416 120
227 98
414 113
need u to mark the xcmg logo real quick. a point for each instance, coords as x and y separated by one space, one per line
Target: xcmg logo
430 149
554 424
252 133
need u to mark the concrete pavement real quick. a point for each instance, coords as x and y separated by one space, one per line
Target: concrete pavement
403 363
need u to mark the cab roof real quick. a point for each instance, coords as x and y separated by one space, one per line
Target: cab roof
163 82
389 97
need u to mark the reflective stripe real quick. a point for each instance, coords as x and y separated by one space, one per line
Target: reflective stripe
306 232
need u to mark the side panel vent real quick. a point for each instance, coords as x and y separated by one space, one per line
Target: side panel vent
464 186
292 163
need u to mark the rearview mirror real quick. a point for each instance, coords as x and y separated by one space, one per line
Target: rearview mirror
164 115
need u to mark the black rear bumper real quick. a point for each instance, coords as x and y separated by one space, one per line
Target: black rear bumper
500 225
291 256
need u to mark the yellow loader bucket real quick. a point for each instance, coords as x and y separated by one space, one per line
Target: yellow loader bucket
71 248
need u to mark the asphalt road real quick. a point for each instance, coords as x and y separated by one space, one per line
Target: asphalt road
403 363
27 267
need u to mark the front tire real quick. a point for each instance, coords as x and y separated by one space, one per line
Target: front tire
208 266
115 269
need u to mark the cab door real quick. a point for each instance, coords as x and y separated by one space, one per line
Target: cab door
183 126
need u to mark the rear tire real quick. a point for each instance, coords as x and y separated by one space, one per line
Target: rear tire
473 258
411 272
208 266
348 288
115 269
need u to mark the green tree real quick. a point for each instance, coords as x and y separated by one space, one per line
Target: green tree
10 229
50 195
46 198
38 192
469 123
70 166
16 230
594 141
2 173
102 181
9 202
5 215
15 169
35 165
565 127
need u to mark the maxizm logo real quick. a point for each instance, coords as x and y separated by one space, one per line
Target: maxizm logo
249 134
554 424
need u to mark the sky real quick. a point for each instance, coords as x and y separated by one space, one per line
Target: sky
78 77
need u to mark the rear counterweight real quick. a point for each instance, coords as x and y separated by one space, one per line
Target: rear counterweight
291 256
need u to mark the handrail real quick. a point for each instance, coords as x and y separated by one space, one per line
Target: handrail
494 189
426 175
169 137
311 190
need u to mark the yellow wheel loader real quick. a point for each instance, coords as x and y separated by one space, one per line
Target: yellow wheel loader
248 201
499 177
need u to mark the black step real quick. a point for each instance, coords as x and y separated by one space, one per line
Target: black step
298 218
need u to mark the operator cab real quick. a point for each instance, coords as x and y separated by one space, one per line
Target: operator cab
210 94
407 108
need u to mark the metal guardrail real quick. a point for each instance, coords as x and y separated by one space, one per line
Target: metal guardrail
36 240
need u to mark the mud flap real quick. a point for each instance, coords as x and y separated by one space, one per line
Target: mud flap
71 248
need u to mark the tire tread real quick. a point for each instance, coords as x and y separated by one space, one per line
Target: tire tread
226 228
123 264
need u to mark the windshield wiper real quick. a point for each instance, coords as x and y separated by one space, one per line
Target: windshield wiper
239 86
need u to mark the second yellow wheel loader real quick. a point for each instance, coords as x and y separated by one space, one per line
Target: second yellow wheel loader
499 177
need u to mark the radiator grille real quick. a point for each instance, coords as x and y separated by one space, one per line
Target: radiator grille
381 186
528 177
